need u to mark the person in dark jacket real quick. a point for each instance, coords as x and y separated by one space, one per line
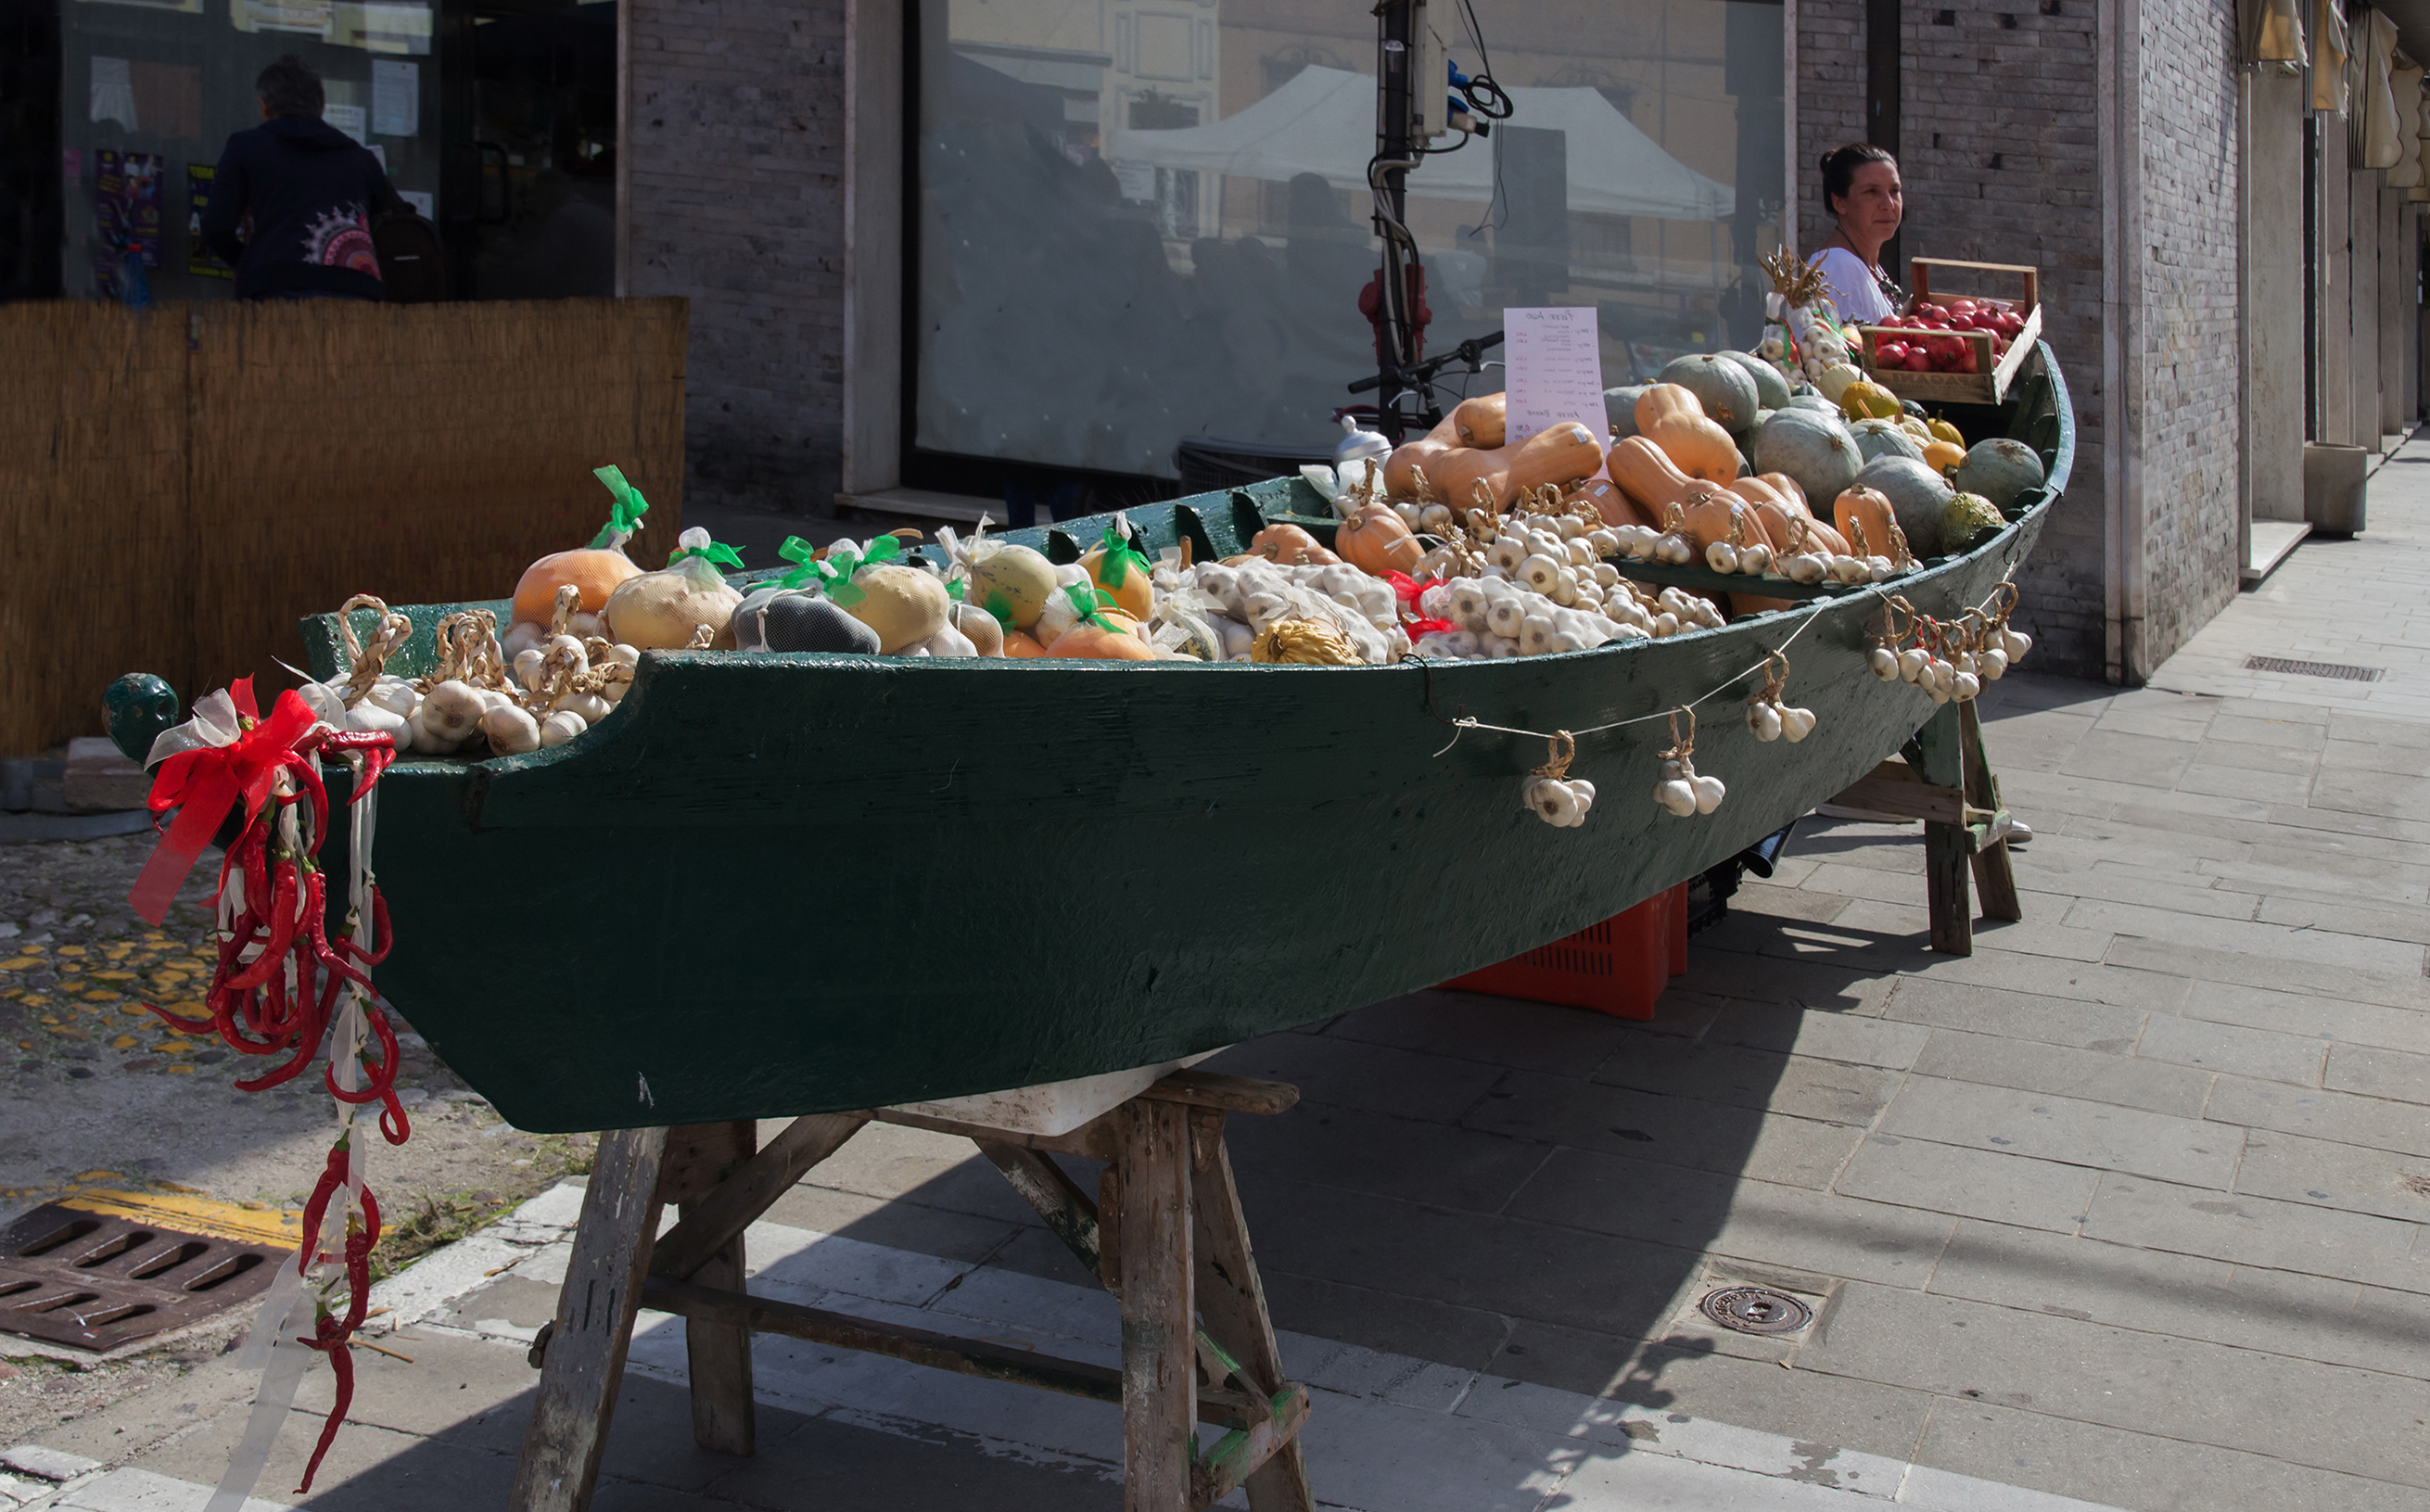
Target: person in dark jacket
293 202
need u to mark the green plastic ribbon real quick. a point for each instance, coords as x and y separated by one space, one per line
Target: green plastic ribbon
1001 607
716 553
804 555
624 515
1114 567
1088 601
836 572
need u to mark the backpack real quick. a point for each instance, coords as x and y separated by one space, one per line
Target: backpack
413 260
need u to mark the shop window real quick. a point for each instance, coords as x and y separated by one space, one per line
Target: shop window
1084 302
494 118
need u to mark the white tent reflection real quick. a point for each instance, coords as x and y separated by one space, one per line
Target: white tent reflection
1323 122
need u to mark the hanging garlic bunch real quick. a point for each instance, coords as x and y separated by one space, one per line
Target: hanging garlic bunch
1767 716
1679 788
1862 564
1551 793
1738 553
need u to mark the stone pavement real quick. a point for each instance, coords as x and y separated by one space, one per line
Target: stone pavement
2127 1207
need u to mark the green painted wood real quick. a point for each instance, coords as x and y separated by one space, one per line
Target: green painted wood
776 886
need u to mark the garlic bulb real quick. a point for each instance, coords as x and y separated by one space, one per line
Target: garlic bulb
1709 793
1552 802
1755 560
560 728
1722 557
1764 721
1884 663
1796 724
1677 795
509 730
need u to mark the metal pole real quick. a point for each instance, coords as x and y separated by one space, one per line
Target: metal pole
1395 154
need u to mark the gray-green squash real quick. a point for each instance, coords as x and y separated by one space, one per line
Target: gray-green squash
1917 494
1877 438
1812 447
1724 389
1771 389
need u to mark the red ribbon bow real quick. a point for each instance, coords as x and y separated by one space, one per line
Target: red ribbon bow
203 784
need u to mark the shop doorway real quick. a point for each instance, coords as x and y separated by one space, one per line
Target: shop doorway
530 207
29 150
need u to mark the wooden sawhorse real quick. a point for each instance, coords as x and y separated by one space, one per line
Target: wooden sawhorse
1164 1234
1945 780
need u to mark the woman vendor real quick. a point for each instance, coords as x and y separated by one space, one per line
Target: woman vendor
1860 188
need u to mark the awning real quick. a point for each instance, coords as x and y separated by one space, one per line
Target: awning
1323 122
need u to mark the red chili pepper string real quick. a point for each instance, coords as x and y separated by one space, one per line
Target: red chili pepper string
333 1335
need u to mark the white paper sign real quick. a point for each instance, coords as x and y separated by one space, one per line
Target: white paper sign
1552 367
346 118
396 98
423 204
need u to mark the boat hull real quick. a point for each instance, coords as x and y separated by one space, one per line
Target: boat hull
772 886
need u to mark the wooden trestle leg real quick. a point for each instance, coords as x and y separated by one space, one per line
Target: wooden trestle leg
1946 781
1197 1345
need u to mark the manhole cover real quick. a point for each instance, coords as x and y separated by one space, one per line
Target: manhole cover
94 1281
1756 1310
2314 669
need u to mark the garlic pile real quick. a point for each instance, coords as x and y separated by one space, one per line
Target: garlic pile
1225 608
1540 585
553 692
1643 543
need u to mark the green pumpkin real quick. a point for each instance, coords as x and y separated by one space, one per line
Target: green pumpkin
1877 438
2000 470
1619 409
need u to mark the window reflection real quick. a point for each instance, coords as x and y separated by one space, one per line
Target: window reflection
1146 221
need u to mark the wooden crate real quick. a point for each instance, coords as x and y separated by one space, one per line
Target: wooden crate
1989 383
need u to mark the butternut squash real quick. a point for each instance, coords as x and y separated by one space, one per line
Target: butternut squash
1669 416
1567 453
1481 421
1865 517
1376 540
1717 514
1788 488
1407 462
1644 472
1785 519
1603 497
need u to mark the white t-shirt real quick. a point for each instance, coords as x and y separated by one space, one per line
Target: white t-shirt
1852 286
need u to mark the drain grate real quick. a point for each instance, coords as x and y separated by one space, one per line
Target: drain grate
94 1281
1756 1310
2314 669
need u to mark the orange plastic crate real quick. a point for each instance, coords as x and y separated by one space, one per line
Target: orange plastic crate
1617 967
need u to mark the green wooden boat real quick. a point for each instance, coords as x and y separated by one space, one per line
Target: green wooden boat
770 886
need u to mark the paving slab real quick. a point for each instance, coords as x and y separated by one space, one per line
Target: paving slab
2101 1135
2093 1075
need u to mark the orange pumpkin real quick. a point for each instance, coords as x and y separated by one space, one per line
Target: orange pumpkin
1019 645
1091 643
1482 422
1135 597
1376 540
597 571
1942 456
1291 546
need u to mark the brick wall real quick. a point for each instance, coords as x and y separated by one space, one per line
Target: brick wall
2191 369
737 138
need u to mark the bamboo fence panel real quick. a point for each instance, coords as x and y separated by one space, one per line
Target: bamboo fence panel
425 453
92 512
196 480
